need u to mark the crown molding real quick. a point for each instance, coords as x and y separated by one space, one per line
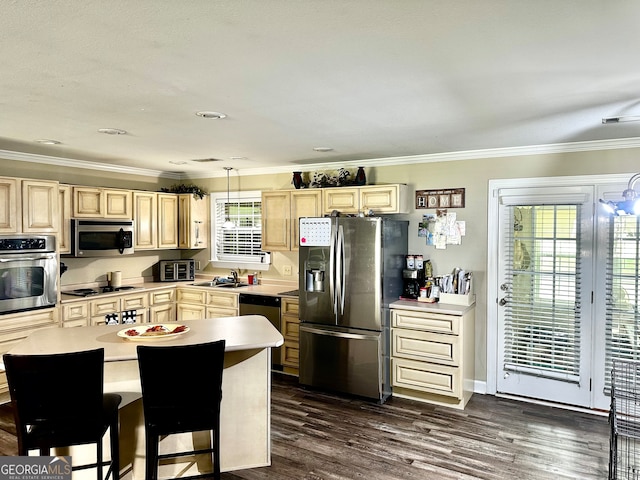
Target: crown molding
569 147
73 163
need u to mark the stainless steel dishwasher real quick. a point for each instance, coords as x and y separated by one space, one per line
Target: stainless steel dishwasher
268 307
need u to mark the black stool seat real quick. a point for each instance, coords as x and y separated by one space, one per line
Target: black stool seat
58 401
181 392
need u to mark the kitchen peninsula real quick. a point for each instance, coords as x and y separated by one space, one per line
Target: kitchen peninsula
246 398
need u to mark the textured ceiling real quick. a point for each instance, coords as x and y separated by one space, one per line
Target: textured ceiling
370 79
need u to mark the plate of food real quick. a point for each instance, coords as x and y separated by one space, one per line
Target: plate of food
162 331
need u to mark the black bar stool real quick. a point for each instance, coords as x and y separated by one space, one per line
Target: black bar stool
181 392
58 400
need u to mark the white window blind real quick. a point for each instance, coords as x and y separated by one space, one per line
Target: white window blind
622 292
542 313
240 244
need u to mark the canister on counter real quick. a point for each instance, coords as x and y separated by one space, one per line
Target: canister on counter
417 259
411 264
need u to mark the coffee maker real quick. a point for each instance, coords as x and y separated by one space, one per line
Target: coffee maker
412 280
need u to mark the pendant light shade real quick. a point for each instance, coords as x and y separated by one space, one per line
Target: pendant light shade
227 221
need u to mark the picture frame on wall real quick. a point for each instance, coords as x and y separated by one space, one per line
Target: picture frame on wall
442 198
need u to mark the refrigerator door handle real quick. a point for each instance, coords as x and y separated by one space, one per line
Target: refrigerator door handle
333 333
332 272
341 273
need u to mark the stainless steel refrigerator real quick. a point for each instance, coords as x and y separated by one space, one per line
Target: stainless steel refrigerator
350 270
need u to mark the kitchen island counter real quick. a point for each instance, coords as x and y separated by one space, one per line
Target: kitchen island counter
245 411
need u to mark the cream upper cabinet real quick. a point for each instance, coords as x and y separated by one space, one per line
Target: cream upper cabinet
117 203
276 219
64 215
193 221
29 206
39 206
9 204
145 220
92 202
385 198
281 210
343 199
306 203
167 220
381 199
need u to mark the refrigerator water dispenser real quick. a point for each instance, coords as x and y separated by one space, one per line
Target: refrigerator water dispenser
315 281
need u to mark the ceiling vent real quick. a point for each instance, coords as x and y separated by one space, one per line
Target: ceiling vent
206 160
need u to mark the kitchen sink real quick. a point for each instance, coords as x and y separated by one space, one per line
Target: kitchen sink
216 284
232 285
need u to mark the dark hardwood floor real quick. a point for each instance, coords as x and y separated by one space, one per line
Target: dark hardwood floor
322 436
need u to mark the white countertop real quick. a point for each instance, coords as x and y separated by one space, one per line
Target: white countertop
437 307
273 290
241 333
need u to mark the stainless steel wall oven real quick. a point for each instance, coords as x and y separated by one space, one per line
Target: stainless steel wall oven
28 272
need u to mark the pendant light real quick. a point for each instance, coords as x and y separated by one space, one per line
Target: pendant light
227 221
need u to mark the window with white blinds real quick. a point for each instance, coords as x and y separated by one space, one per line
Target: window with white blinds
623 292
542 294
240 244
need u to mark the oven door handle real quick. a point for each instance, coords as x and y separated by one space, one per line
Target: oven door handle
28 259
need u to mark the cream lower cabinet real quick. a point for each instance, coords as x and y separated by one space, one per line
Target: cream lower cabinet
290 329
195 304
75 314
162 305
432 357
15 327
135 302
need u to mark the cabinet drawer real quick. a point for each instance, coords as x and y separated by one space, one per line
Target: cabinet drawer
290 326
104 306
192 296
427 377
432 322
161 296
135 301
289 307
426 346
80 322
75 311
290 355
215 312
219 299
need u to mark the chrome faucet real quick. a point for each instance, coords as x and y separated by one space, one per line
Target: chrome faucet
234 276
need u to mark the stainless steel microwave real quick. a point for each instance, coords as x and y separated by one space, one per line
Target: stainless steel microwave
176 270
101 237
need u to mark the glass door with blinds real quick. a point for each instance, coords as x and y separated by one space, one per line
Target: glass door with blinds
617 294
544 329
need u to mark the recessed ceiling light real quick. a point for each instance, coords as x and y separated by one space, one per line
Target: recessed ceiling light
112 131
238 158
322 149
216 115
177 162
46 141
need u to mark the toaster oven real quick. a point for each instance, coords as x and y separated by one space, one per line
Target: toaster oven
176 270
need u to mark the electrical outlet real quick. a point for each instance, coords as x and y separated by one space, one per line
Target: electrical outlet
286 270
197 264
